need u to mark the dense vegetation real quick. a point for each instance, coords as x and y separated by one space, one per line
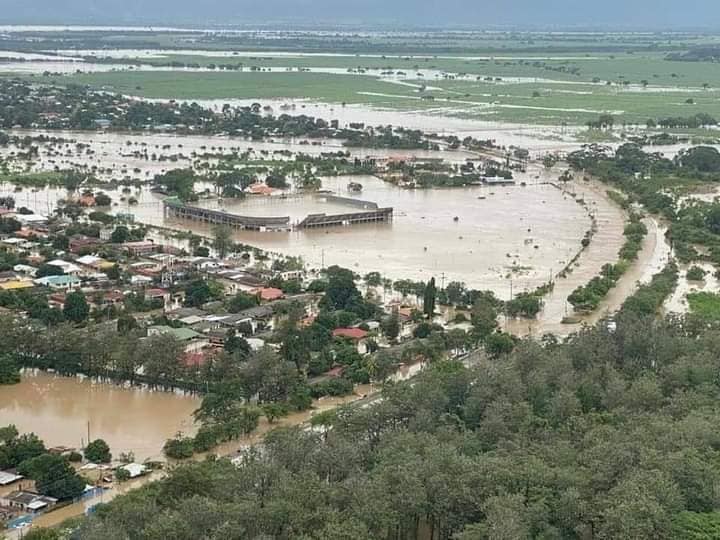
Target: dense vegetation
588 297
612 434
23 104
656 183
53 474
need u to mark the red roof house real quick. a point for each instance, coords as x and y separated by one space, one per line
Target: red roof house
356 334
268 294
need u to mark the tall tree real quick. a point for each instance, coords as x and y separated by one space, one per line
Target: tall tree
76 308
429 298
222 240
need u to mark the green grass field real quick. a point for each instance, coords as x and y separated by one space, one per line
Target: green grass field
579 67
534 101
705 305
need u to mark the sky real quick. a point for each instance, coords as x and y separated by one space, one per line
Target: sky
561 14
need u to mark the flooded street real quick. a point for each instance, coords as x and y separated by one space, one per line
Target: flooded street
58 409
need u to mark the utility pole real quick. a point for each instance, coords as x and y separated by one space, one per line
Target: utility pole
88 429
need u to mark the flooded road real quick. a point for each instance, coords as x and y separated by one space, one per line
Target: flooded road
58 409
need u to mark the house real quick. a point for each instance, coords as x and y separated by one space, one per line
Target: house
60 283
28 501
16 285
194 359
235 282
68 268
169 300
106 233
7 478
193 341
255 343
183 313
140 248
258 318
79 243
356 335
217 338
113 298
8 275
94 263
292 274
14 245
32 219
134 469
260 189
140 280
25 269
268 294
497 181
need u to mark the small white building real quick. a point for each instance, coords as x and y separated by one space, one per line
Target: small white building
68 268
134 469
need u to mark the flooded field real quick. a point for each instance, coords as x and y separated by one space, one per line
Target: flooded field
520 233
482 236
59 409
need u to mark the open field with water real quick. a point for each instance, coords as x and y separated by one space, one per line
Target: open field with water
570 90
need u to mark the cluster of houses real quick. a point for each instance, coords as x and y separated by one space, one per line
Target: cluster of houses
153 272
19 495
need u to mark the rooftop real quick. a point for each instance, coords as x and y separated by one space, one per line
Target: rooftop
350 333
181 334
57 280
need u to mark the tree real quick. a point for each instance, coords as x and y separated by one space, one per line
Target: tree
483 317
101 199
197 293
76 308
341 292
700 158
43 534
242 301
429 298
179 447
277 181
391 326
222 240
499 343
98 451
53 476
9 369
120 235
45 270
178 183
113 273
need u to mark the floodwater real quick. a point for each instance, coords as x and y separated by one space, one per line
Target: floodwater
58 409
523 233
539 139
501 233
677 302
603 248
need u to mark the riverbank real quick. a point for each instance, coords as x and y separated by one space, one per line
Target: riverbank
603 248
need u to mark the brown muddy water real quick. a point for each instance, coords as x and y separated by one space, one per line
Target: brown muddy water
481 236
58 409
